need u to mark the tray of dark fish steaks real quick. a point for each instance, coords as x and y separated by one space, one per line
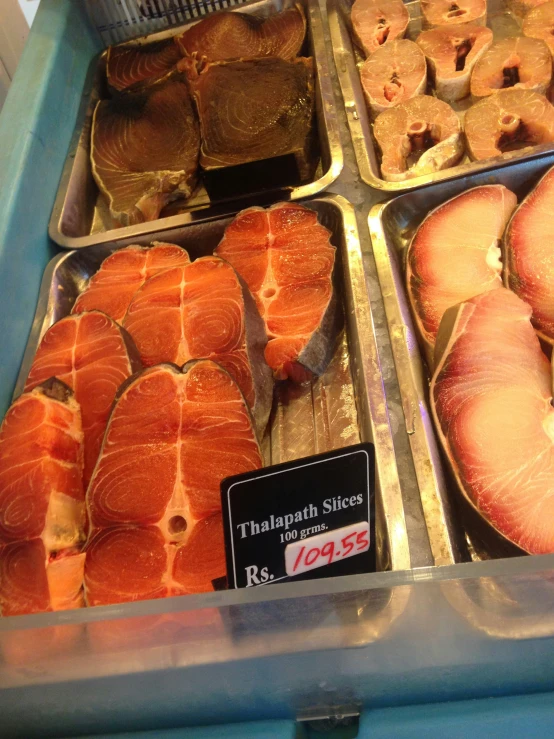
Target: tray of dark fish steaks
467 275
98 354
439 89
199 120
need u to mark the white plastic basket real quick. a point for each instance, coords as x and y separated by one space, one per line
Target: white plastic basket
119 20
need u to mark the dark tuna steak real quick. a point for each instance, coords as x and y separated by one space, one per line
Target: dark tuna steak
132 63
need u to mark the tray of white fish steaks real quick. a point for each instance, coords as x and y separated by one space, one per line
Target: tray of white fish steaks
436 89
157 368
199 120
467 273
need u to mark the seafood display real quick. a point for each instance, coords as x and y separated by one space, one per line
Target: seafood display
377 22
134 63
287 260
144 149
508 120
451 53
394 73
157 386
418 137
229 36
495 419
529 255
455 255
518 63
264 109
539 23
453 12
150 489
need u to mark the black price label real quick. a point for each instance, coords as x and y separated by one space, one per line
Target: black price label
313 517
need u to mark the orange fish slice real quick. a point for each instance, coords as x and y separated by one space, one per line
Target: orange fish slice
453 12
539 23
522 7
377 22
394 73
452 52
522 63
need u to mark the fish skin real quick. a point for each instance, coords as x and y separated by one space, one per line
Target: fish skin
529 255
539 23
159 159
441 12
370 33
394 72
440 46
93 356
121 274
129 64
531 57
202 310
455 254
228 36
528 117
491 402
269 117
285 257
135 550
393 131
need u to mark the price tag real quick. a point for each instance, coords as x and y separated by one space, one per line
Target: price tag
313 517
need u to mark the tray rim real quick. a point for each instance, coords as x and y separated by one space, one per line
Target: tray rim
323 83
359 122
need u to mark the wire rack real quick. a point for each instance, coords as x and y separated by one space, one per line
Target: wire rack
119 20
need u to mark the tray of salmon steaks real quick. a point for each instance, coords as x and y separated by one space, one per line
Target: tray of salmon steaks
200 120
149 377
436 89
467 273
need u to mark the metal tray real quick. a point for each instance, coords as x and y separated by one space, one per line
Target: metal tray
348 58
80 216
455 534
346 405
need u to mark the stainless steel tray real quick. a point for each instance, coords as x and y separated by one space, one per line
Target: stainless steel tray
80 216
346 405
348 58
455 535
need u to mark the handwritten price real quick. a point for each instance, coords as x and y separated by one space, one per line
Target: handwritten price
324 549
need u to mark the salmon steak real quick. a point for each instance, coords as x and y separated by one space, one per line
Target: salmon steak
511 119
520 63
203 311
529 255
455 254
145 145
454 12
418 137
286 258
133 63
228 36
521 8
154 500
539 23
451 52
120 275
395 72
269 116
377 22
32 580
491 400
92 355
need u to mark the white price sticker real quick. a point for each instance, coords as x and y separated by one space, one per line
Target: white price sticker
324 549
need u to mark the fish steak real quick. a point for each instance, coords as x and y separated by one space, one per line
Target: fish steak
154 500
529 255
129 64
145 145
378 22
285 257
539 23
491 399
120 275
454 12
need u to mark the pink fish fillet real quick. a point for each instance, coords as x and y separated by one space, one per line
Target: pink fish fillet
377 22
453 12
491 400
395 72
529 255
